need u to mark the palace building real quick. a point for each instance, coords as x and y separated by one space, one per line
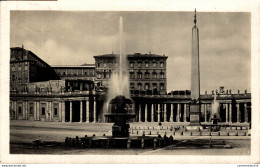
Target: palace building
40 92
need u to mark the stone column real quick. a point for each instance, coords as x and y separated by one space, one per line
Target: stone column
60 111
63 111
47 111
178 113
171 117
15 110
140 112
238 113
245 113
152 113
145 113
37 110
165 112
226 105
159 112
34 110
230 112
185 114
70 111
51 110
26 110
87 110
205 113
80 112
23 112
95 110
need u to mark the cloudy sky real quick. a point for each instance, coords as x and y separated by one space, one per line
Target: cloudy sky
73 38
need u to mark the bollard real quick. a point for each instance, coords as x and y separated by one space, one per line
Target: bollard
86 135
93 135
143 133
66 141
77 141
155 142
171 139
198 129
128 143
104 134
142 143
137 132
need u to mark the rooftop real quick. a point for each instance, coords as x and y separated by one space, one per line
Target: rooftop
140 55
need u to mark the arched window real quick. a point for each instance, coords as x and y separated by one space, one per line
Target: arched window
139 74
131 64
132 85
146 64
139 64
147 74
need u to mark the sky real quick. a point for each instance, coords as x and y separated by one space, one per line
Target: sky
73 38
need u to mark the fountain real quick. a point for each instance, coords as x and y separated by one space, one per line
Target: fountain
215 116
118 112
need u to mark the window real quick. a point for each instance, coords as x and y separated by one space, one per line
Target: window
139 64
154 85
146 64
131 64
132 85
146 86
98 64
26 67
154 75
161 86
31 110
55 111
19 110
146 75
139 86
105 65
99 76
19 68
154 64
43 110
132 75
139 75
162 75
162 64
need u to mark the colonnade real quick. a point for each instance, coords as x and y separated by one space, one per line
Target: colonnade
179 112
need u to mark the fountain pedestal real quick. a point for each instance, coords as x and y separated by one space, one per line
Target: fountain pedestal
119 115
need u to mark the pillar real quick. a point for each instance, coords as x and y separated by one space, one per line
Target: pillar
47 111
171 117
165 112
152 113
238 113
178 112
226 105
70 111
95 110
159 111
80 112
60 111
185 114
145 113
245 113
23 112
34 110
51 111
205 113
87 110
37 110
15 109
63 111
140 112
230 112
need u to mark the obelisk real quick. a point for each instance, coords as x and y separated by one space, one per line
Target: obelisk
195 77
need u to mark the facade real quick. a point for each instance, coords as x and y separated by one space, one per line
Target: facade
26 67
147 72
84 71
